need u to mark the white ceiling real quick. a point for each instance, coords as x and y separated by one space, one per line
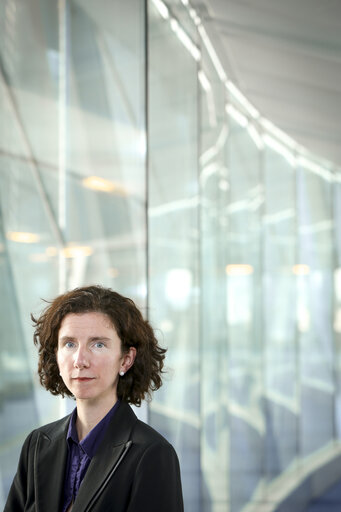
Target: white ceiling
285 56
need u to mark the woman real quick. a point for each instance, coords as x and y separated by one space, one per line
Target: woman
95 345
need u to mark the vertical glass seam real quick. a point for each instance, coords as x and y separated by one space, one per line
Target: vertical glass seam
146 138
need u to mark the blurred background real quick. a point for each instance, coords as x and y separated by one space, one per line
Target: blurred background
187 155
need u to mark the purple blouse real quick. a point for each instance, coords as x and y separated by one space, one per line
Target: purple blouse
81 453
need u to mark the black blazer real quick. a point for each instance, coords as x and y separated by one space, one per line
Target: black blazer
134 470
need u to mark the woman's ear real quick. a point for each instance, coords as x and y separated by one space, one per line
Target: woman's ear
128 359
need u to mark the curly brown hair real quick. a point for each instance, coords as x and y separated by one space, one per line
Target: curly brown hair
145 374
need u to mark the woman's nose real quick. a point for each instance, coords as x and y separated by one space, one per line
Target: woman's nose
81 359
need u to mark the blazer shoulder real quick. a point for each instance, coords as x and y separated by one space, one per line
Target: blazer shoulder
147 434
53 428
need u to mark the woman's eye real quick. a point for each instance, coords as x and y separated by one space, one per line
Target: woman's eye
99 344
69 344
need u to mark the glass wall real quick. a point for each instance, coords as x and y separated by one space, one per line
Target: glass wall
72 179
173 246
244 316
315 313
279 313
128 158
214 376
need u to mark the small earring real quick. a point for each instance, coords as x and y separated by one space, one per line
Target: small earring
122 373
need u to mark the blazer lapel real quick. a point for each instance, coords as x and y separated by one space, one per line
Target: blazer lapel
50 460
110 454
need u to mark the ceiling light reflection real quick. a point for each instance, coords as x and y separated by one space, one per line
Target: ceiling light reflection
166 326
185 39
51 251
301 269
212 53
279 134
178 287
39 257
103 185
233 89
162 8
315 168
280 148
218 146
22 237
204 81
77 251
239 269
237 115
255 136
113 272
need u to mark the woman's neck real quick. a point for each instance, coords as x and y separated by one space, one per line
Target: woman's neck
89 414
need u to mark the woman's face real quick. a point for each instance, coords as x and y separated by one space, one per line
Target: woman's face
89 357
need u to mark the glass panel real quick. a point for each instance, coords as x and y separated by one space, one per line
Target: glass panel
68 113
244 318
173 244
27 272
16 387
214 187
280 352
105 129
315 312
337 306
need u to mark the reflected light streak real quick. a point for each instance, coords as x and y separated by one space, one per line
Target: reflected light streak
204 81
237 115
77 251
253 417
173 206
337 321
233 89
162 8
183 416
22 237
279 134
224 185
208 171
315 168
301 269
213 150
212 116
238 206
194 16
13 363
178 287
103 185
303 318
212 53
255 136
337 284
318 227
274 218
185 39
239 269
166 326
279 148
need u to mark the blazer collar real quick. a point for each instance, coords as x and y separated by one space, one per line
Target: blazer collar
51 456
50 460
109 455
